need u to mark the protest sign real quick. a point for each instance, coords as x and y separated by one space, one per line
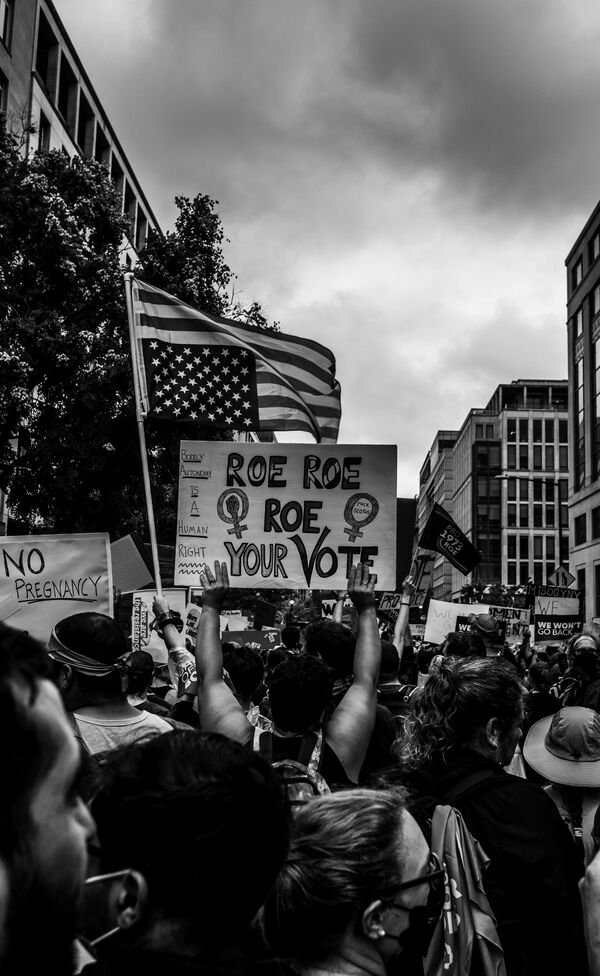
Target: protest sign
442 618
557 613
286 516
264 639
328 606
142 615
131 565
44 578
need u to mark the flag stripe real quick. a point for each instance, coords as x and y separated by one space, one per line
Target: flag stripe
294 378
162 306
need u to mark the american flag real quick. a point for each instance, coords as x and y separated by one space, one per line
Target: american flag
224 374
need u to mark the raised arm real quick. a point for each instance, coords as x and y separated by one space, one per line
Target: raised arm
401 625
338 610
219 709
351 725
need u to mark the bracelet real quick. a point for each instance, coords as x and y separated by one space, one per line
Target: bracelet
405 603
170 617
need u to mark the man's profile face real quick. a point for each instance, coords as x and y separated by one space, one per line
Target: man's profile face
46 876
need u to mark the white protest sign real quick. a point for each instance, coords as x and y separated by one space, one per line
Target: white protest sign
443 618
142 615
557 613
235 623
44 578
286 516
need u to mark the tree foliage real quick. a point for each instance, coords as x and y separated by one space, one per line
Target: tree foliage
65 370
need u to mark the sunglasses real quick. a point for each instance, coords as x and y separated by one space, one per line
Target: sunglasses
435 876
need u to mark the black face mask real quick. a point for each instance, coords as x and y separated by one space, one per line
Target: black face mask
414 942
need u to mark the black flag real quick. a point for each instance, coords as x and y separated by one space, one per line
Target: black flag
443 535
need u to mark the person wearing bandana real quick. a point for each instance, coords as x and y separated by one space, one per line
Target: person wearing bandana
360 891
89 651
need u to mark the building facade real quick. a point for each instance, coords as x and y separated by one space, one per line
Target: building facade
509 485
46 94
583 337
436 484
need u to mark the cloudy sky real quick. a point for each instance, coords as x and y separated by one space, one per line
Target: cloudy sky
399 179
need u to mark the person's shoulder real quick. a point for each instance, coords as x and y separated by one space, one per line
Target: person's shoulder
153 721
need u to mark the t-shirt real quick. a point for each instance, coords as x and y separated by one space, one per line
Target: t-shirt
99 735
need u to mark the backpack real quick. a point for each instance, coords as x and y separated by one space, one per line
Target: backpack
466 932
301 777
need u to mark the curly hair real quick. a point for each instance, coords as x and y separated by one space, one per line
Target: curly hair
344 854
455 705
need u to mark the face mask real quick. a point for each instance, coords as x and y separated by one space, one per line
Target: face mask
89 883
415 940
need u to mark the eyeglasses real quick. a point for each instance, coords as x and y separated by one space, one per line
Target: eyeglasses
434 876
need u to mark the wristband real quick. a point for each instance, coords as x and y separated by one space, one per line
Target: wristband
405 603
170 617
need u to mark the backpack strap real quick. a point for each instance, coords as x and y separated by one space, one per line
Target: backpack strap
262 743
311 751
468 785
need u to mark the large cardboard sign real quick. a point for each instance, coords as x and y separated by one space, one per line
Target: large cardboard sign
142 637
286 516
44 578
442 618
557 613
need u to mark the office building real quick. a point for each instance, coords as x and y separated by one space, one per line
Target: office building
46 93
583 331
505 482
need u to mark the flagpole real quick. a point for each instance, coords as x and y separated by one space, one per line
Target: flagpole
142 433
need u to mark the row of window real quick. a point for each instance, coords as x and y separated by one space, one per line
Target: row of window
544 516
542 457
540 430
593 254
580 527
521 572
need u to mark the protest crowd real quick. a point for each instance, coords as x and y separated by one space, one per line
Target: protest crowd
344 802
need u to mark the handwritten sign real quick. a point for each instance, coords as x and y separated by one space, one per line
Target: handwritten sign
286 516
44 578
142 615
444 618
557 613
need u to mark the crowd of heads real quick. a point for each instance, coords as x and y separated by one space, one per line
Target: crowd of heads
189 839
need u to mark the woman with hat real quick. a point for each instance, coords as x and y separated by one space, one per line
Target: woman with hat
565 749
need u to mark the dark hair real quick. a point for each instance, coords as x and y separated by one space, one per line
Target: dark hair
290 636
345 853
299 691
94 635
203 819
27 754
458 644
245 668
539 676
275 656
454 707
334 643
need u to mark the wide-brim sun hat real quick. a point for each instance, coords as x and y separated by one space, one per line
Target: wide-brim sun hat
564 748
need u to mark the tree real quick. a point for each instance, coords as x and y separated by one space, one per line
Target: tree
65 370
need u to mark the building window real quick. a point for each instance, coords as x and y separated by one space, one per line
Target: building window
523 490
538 518
511 429
594 247
578 322
511 514
511 577
511 543
563 458
6 21
550 548
511 489
549 430
44 134
596 407
579 425
511 456
3 93
537 457
550 516
524 516
538 547
479 431
549 449
579 528
523 457
577 274
523 429
596 522
563 431
523 572
538 485
537 431
597 590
